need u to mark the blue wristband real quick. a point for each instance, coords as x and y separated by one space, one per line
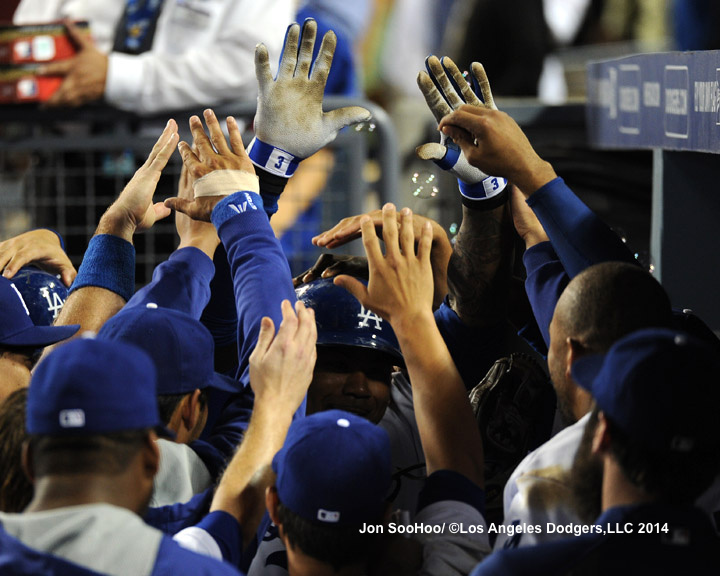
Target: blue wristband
238 203
109 263
275 160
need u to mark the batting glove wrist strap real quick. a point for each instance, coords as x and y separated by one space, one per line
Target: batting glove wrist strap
479 195
275 160
109 263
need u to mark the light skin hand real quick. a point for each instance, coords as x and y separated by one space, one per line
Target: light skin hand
400 288
526 223
212 154
281 368
201 235
502 148
349 229
84 74
40 248
134 210
281 365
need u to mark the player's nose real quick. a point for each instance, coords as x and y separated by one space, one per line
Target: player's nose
356 384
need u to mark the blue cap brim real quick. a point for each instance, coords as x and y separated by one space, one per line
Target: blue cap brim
225 383
37 336
586 369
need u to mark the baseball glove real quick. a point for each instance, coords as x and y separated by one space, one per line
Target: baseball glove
514 406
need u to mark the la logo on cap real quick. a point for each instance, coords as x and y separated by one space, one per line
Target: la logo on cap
328 516
72 418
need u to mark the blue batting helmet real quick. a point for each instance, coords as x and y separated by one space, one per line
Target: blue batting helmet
43 293
343 321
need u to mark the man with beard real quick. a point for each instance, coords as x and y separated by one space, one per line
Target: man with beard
602 304
651 446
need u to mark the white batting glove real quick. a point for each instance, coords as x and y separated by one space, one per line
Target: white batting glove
446 89
290 124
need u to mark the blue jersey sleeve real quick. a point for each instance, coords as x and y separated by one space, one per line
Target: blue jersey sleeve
182 283
175 517
473 350
259 269
546 280
444 485
578 235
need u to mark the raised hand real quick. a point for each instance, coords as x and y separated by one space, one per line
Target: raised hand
282 364
445 89
214 168
134 210
400 285
492 141
290 124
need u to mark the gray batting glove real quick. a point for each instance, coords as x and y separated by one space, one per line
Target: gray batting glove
446 89
290 124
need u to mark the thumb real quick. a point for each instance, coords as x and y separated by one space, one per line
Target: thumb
265 336
67 275
432 151
80 36
342 117
352 285
180 205
161 211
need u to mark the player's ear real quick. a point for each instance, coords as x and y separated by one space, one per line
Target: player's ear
191 409
601 438
575 349
151 455
271 503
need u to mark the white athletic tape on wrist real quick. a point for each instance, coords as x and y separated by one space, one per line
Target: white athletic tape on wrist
275 160
226 182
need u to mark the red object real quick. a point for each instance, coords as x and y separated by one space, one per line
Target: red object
23 49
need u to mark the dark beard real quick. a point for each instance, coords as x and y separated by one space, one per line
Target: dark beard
586 477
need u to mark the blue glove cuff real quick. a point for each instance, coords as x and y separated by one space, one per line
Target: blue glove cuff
448 161
109 263
479 195
275 160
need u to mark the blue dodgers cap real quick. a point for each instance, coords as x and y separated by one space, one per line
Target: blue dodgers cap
43 293
181 347
16 326
91 386
334 469
342 321
659 386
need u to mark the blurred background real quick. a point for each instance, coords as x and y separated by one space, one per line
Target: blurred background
61 167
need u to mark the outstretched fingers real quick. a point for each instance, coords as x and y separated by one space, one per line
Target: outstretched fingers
307 45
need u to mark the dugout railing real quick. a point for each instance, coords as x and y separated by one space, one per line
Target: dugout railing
61 168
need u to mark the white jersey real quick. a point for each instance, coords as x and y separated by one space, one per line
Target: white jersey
538 491
541 479
181 475
202 53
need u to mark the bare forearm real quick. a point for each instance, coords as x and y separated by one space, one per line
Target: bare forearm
449 435
480 266
440 260
241 492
